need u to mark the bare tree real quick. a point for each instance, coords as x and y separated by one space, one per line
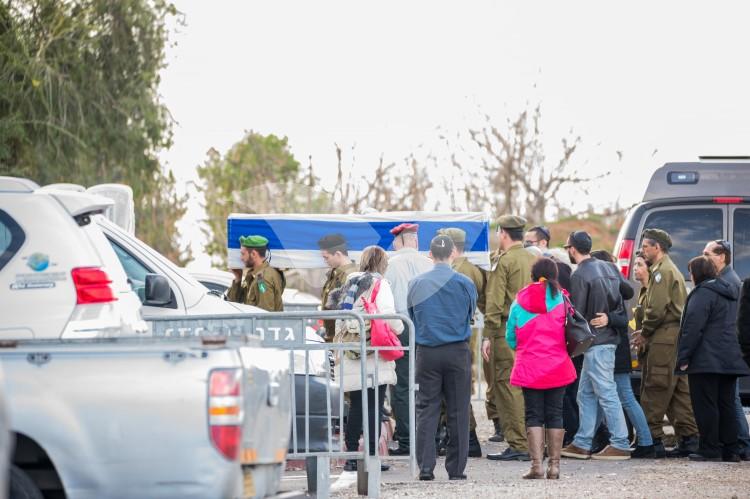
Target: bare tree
386 189
515 173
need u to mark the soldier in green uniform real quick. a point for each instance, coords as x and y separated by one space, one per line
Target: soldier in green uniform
263 284
511 271
336 255
663 392
462 265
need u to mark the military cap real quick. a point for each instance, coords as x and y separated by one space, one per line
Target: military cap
332 242
456 234
405 227
511 222
659 236
253 241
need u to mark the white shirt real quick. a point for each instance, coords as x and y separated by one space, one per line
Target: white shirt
406 264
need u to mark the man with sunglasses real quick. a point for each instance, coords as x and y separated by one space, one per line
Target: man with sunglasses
720 253
538 236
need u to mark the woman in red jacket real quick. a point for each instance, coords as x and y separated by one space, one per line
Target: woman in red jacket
536 331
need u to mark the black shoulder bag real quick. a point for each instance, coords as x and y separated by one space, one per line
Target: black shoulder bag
578 335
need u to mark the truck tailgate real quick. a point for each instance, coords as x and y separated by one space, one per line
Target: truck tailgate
122 420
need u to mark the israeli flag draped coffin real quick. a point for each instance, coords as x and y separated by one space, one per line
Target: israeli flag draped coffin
293 238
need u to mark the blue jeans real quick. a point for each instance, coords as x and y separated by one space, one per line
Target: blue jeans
597 388
632 408
743 439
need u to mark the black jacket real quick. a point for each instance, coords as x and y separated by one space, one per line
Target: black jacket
708 342
563 275
623 361
595 288
743 321
619 321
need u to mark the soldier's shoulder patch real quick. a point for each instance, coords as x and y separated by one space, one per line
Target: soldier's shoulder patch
657 277
262 284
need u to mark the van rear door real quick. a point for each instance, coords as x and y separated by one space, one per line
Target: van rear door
739 230
690 226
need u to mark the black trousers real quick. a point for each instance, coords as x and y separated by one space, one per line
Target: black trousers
712 396
443 372
544 407
400 398
354 419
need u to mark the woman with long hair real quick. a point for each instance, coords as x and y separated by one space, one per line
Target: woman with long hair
359 287
536 331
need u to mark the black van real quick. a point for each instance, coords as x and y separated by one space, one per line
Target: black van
695 203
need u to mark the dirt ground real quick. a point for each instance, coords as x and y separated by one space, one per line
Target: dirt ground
678 478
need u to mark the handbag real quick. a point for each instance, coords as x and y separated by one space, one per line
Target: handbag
578 335
381 334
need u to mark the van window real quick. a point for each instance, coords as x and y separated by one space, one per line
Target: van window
741 243
11 238
690 230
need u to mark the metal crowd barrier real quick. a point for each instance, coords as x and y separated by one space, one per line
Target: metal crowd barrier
291 336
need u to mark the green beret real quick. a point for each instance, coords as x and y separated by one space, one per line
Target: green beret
659 236
511 222
253 241
456 234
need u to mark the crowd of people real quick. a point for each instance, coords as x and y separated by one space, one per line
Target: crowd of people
541 401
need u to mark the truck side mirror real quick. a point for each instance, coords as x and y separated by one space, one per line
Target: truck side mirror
158 292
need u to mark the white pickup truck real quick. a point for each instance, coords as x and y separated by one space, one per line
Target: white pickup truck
98 407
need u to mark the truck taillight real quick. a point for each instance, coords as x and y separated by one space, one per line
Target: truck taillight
92 285
225 411
624 254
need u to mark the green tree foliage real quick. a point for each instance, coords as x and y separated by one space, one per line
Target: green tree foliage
258 174
79 102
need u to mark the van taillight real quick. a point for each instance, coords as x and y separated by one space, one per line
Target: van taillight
225 413
92 285
728 200
624 254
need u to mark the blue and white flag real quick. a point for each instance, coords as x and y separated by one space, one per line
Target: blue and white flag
293 238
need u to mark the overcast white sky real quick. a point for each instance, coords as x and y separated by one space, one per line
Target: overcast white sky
633 77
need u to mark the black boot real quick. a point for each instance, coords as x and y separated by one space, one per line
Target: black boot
498 436
644 452
687 446
475 450
659 451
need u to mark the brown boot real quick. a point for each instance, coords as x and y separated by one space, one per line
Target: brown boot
535 435
554 446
